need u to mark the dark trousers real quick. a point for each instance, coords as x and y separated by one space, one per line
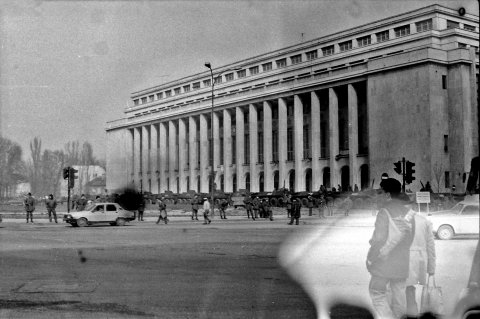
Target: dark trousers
140 215
51 211
30 214
205 217
162 216
194 213
222 213
295 217
249 212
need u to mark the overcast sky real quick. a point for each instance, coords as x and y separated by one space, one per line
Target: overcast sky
68 67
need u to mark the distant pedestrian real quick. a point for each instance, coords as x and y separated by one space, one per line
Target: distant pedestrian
267 209
422 259
322 206
256 206
330 203
29 204
141 208
310 205
195 202
288 205
162 207
206 211
51 204
347 206
222 207
296 208
82 203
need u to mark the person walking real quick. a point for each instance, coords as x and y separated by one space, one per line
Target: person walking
162 207
267 209
141 208
310 205
388 256
295 214
288 205
222 207
422 260
29 204
206 211
51 204
256 206
195 202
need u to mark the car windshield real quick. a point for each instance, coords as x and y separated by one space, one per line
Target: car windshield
90 206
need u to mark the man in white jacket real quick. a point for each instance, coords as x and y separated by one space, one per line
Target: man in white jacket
206 211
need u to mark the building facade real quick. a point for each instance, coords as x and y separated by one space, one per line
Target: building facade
337 110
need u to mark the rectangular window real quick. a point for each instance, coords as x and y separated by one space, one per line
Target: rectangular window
306 142
281 63
296 59
151 98
447 179
218 80
424 25
267 66
469 27
364 41
260 147
345 46
136 102
452 24
207 83
159 95
246 160
444 82
186 88
144 100
242 73
402 31
383 36
253 70
229 77
445 143
196 85
168 93
234 149
177 91
312 55
275 146
462 45
290 148
328 50
221 150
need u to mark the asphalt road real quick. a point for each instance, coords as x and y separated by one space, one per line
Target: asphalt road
228 269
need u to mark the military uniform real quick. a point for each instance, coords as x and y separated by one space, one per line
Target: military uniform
222 207
51 204
194 202
141 209
81 203
296 207
29 206
267 209
256 206
310 205
163 211
248 206
288 205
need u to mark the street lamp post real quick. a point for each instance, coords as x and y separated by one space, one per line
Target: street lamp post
212 173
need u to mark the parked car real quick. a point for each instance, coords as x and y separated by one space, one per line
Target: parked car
463 218
100 213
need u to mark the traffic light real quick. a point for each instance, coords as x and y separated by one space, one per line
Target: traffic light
72 176
66 172
409 171
398 167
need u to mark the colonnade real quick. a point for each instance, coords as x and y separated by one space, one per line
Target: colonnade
175 154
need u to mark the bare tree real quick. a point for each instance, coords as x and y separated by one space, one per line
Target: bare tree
35 164
12 168
438 174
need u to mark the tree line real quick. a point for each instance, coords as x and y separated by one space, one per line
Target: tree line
43 170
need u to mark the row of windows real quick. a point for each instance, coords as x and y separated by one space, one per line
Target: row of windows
363 41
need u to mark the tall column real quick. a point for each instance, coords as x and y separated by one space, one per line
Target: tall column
216 153
192 144
137 165
333 129
240 136
267 147
315 138
253 125
204 151
227 151
145 159
130 157
182 156
154 159
298 143
353 136
162 136
282 142
173 156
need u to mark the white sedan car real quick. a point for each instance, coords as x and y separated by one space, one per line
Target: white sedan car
462 218
99 213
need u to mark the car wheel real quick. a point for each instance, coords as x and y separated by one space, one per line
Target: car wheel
445 232
120 222
82 222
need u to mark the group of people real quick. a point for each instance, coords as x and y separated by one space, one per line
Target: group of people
258 208
401 254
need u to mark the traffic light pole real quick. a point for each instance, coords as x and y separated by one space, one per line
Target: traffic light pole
403 174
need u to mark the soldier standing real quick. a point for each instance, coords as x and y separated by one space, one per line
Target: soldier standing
288 205
296 207
310 205
194 203
256 206
29 206
51 204
267 209
162 206
248 206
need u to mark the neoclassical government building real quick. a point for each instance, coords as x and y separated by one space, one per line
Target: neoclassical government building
336 110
